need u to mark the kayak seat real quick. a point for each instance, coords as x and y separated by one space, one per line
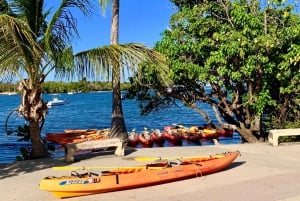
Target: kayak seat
76 174
89 174
174 163
93 174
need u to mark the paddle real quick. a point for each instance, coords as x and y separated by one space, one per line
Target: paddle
149 159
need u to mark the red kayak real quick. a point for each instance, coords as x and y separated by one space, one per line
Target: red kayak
133 139
157 137
145 139
192 137
171 134
224 132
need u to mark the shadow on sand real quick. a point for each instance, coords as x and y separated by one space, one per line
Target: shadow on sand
28 166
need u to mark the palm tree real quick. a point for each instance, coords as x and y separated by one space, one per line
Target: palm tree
115 57
118 127
31 47
106 58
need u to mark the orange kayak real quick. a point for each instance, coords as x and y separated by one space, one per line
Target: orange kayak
135 177
76 136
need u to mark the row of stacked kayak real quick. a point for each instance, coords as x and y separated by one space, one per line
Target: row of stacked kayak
175 135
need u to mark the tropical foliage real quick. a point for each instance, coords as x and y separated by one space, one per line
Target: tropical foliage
33 42
239 57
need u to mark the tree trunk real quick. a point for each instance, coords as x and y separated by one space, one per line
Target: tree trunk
247 135
33 109
118 128
114 34
38 147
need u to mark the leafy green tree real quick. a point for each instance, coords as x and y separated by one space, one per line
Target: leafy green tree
34 42
237 56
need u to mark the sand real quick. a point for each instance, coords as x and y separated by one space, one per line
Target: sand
261 173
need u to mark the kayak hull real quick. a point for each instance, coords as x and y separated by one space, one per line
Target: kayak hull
135 177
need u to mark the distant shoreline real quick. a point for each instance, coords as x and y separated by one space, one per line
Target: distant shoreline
8 93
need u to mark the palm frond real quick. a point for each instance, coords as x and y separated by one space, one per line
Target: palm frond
97 61
104 5
32 12
62 27
64 66
18 49
59 35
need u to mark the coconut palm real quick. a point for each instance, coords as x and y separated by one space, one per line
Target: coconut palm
34 42
99 60
113 59
118 127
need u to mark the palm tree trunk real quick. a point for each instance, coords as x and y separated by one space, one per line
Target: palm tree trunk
114 34
33 109
38 147
118 128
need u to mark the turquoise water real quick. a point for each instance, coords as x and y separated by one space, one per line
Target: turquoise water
93 110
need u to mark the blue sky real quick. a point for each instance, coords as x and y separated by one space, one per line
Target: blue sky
141 21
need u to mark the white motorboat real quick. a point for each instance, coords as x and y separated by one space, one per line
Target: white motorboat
55 102
12 93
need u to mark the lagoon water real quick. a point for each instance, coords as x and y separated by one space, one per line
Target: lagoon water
92 110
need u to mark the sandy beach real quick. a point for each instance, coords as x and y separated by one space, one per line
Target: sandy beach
261 173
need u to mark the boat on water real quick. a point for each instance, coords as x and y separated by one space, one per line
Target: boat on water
56 102
123 178
9 93
12 93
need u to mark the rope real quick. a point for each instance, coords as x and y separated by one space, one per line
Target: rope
7 118
198 170
16 110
